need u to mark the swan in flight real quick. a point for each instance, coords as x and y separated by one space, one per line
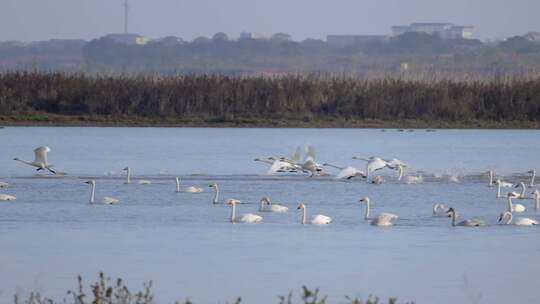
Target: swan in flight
243 218
501 184
536 194
506 219
4 185
518 208
346 173
382 219
267 206
533 175
277 166
440 210
40 159
190 189
309 164
373 164
140 181
474 222
394 163
318 219
6 197
106 200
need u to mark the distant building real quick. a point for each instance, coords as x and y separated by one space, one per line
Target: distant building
129 39
532 36
346 40
443 30
251 35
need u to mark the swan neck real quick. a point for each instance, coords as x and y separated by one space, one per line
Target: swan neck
92 193
216 194
532 179
510 204
523 190
128 176
233 213
400 168
304 215
262 205
508 217
366 216
490 178
454 219
537 198
177 185
498 190
334 166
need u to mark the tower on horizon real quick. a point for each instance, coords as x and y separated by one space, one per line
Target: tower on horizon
126 15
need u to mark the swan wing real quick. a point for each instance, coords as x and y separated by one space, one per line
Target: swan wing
310 152
278 208
277 166
518 208
194 190
349 173
144 182
320 219
110 200
474 222
250 218
376 164
506 184
40 154
296 155
388 217
394 163
440 210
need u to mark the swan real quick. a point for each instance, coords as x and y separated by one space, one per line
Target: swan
267 206
395 163
243 218
409 179
40 159
491 182
140 181
506 219
382 219
215 200
533 172
190 189
474 222
318 219
536 194
4 185
346 173
522 195
6 197
373 164
377 180
440 210
106 200
502 184
518 208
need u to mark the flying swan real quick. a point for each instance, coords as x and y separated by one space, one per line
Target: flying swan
40 159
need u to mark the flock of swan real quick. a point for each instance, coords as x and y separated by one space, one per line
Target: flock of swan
308 165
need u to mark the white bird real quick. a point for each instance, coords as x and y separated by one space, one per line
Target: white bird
318 219
40 159
377 180
189 189
394 163
506 219
501 184
536 194
533 175
491 182
373 164
243 218
4 185
474 222
346 173
518 208
6 197
409 179
215 200
522 195
382 219
105 200
140 181
440 210
267 206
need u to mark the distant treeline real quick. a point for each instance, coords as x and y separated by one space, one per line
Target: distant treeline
263 100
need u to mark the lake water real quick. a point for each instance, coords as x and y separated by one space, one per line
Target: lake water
190 250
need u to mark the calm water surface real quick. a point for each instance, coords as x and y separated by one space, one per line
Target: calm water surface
187 247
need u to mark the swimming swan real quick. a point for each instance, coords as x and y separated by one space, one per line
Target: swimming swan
382 219
533 175
518 208
502 184
506 219
318 219
267 206
140 181
40 159
243 218
188 189
536 194
6 197
106 200
466 223
522 195
440 210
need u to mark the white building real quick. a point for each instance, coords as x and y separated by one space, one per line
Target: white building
129 39
443 30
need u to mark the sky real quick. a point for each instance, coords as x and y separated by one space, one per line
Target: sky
29 20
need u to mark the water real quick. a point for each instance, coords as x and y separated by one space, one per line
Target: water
187 247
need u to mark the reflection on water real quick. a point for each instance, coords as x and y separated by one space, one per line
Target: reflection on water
188 248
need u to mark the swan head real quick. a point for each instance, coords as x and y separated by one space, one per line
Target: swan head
232 201
512 195
125 169
90 182
212 185
451 211
531 171
301 206
266 199
364 199
16 158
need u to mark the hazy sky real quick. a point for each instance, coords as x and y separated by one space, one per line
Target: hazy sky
44 19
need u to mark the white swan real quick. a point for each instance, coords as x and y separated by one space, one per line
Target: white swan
373 164
4 185
474 222
105 200
140 181
394 163
382 219
440 210
536 194
346 173
40 159
215 199
522 195
377 180
518 208
491 182
533 175
409 179
501 184
243 218
506 219
190 189
318 219
267 206
6 197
